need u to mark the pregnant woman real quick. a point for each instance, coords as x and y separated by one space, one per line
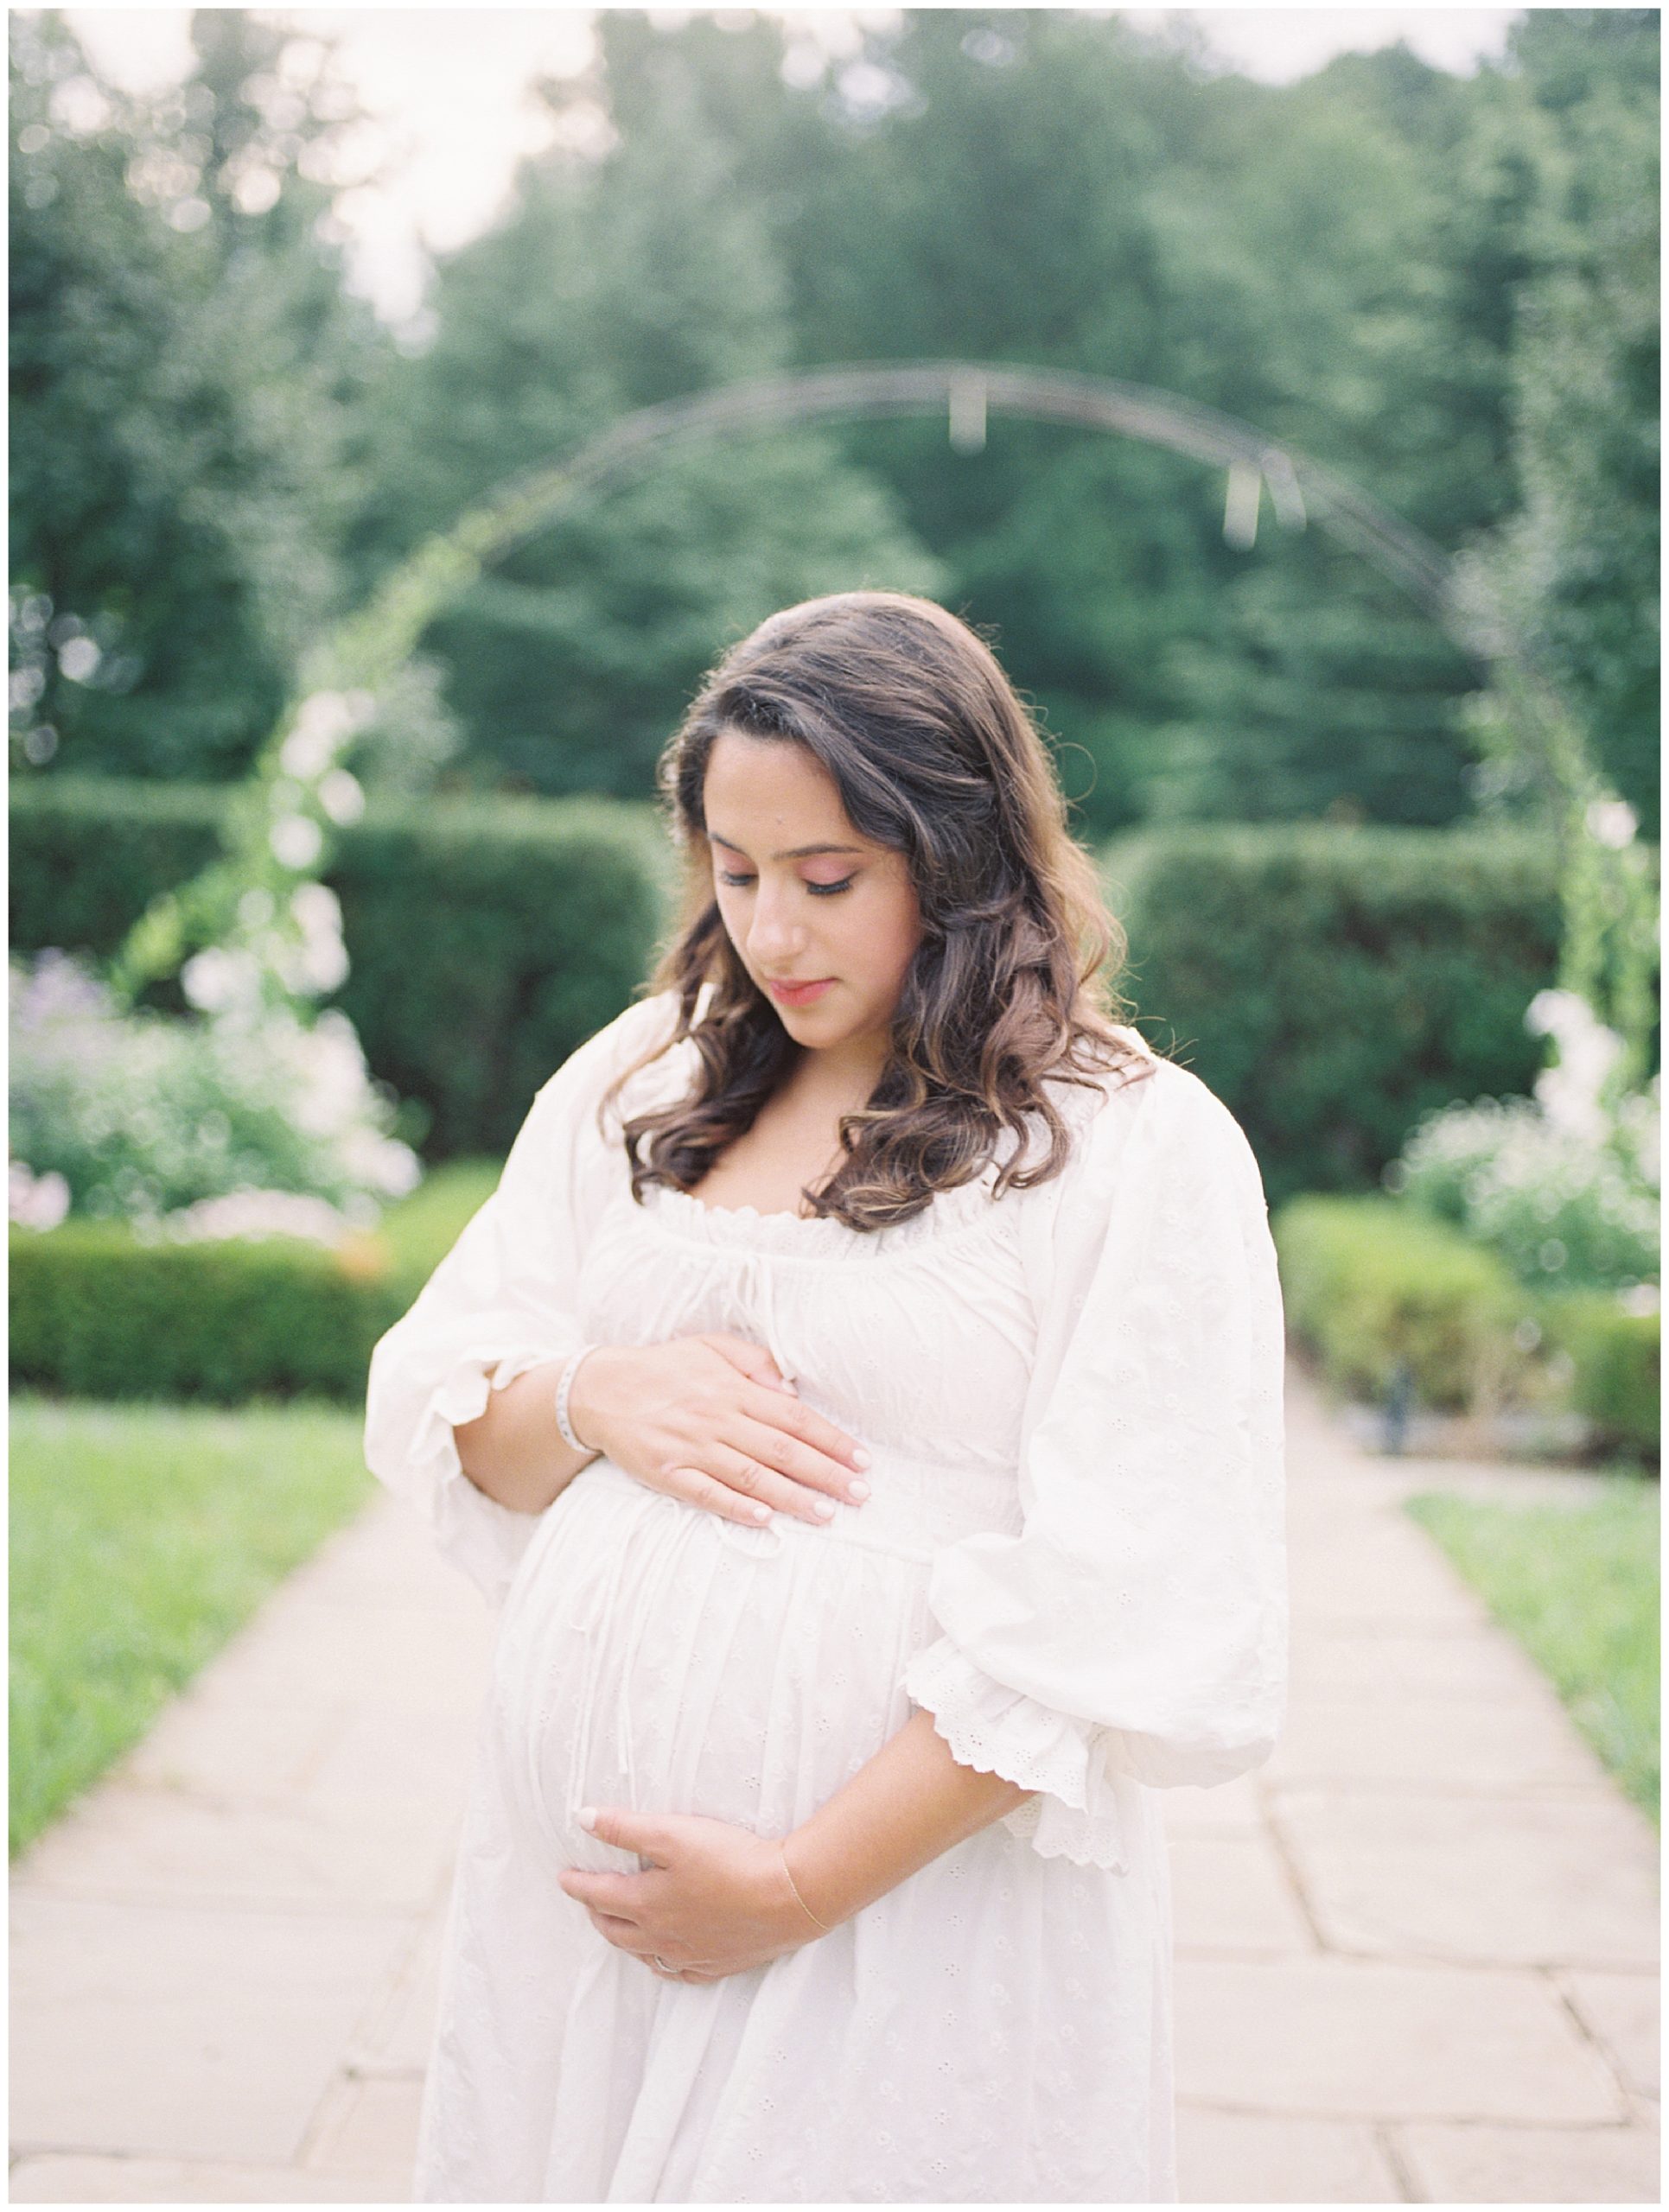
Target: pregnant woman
862 1394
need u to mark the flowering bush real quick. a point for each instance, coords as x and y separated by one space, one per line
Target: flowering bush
1563 1186
141 1116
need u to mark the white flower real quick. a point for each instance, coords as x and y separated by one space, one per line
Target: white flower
382 1162
341 796
296 841
321 964
324 725
317 910
306 754
258 1213
218 979
1559 1015
1570 1092
36 1201
335 1089
1612 822
324 966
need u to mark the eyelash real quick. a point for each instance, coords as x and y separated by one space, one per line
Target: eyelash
817 890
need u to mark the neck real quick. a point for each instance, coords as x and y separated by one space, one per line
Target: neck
841 1072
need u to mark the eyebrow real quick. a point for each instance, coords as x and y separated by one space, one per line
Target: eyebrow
798 853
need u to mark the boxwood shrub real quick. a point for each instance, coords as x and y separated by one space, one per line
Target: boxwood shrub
1333 984
1369 1283
97 1313
1617 1356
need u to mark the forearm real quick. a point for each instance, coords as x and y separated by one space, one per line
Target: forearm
515 1453
910 1802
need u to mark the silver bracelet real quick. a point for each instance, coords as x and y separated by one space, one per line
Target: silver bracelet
562 1388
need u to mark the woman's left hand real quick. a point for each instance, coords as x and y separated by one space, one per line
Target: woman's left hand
717 1900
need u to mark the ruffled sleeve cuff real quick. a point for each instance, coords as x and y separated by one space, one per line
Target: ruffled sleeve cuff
1081 1808
487 1539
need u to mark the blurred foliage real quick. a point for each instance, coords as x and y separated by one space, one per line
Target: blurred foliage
1575 566
1376 1288
141 1115
1441 286
1616 1356
1371 1285
1559 1207
418 1231
487 936
1332 986
189 393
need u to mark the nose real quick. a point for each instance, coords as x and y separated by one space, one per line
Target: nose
775 934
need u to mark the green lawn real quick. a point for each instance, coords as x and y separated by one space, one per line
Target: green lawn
1579 1586
141 1538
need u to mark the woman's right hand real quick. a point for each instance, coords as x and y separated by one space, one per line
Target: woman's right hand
709 1419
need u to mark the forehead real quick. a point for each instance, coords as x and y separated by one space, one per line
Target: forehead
762 786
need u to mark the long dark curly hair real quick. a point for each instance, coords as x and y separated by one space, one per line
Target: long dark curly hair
934 756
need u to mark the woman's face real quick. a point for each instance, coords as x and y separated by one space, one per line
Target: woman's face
844 916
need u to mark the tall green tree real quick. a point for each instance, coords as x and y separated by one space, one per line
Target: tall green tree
186 372
1578 564
612 284
1052 188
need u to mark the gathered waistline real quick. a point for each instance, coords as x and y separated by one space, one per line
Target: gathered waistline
847 1527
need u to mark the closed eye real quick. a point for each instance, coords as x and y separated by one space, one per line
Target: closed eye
817 890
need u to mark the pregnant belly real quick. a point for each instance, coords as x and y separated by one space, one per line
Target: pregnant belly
654 1657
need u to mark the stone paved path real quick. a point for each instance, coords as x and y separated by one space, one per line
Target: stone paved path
1417 1952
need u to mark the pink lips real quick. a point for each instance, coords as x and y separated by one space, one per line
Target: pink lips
800 994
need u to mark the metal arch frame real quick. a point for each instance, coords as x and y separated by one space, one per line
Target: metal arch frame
1300 489
342 673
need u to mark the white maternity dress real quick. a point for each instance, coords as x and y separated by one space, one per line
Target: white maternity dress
1073 1556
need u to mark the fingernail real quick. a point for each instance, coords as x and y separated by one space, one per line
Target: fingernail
860 1457
858 1490
761 1513
587 1816
823 1508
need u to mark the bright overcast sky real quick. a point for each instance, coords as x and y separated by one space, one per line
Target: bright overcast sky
446 86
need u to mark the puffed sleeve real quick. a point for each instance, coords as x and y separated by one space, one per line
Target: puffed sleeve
1135 1630
502 1301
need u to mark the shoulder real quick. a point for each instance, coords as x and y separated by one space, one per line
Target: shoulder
1155 1114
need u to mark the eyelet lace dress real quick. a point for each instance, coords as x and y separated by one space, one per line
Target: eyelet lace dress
1072 1556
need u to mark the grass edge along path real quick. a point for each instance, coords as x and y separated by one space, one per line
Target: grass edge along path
1577 1585
143 1537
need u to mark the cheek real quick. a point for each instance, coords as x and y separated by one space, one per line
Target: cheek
900 928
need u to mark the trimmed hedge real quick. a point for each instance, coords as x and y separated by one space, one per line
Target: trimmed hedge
488 938
1331 985
95 1313
1369 1283
1617 1356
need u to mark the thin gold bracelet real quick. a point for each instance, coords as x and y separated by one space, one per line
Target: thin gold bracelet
794 1886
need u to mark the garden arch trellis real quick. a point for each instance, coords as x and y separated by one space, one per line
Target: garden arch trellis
278 827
